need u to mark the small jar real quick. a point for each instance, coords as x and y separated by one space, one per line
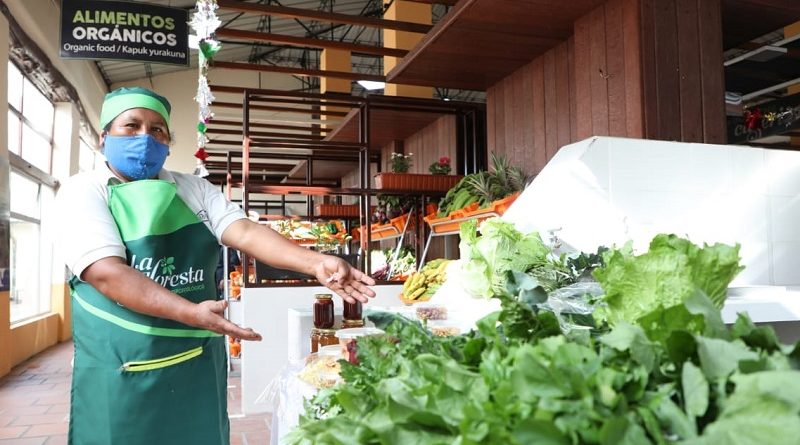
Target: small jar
327 337
352 311
314 339
346 324
322 337
323 311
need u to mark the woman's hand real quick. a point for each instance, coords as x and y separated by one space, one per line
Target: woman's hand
210 315
350 283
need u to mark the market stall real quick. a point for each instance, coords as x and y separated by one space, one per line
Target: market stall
579 200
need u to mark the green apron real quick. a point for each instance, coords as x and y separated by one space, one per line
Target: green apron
145 380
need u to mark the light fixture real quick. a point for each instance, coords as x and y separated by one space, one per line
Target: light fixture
371 85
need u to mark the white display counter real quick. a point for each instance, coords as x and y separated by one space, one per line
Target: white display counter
266 309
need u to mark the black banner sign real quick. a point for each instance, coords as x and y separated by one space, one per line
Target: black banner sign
768 119
122 30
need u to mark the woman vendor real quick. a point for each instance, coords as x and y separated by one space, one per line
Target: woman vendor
143 243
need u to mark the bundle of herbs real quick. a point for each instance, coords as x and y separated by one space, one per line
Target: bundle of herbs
658 365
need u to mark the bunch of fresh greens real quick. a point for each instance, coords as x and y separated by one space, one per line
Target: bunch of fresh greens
716 386
500 248
667 371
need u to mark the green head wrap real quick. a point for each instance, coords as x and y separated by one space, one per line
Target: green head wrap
123 99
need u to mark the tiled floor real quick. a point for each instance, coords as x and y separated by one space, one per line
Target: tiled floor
34 403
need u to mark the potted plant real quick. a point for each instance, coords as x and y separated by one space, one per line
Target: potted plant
440 167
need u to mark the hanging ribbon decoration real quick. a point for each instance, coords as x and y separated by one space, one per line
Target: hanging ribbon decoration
204 22
752 119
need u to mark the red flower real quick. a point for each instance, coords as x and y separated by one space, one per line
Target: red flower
444 160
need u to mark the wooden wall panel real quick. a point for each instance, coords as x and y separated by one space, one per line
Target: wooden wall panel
598 72
539 112
508 113
562 108
518 148
528 114
431 143
632 68
573 101
691 111
499 118
550 104
583 73
632 47
682 75
491 103
713 78
615 64
667 79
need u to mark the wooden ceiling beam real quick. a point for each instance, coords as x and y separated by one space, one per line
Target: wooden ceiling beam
253 165
308 42
298 71
284 109
314 137
226 123
323 16
436 2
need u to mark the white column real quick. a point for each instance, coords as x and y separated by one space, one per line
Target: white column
66 140
5 199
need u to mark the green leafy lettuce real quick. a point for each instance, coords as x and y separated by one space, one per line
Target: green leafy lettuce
671 271
499 248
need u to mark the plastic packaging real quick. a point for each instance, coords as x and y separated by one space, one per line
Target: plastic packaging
573 302
443 328
430 311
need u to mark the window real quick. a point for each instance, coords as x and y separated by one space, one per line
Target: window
88 157
30 121
30 143
30 255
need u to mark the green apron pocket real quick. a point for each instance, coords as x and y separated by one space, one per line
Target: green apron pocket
158 363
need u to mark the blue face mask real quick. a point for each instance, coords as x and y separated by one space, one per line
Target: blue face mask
136 157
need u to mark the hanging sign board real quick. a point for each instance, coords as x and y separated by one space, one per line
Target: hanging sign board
122 30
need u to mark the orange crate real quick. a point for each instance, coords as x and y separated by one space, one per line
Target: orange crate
384 231
445 224
498 207
400 222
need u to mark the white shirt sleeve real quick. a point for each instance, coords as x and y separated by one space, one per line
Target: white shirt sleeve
206 200
86 230
221 212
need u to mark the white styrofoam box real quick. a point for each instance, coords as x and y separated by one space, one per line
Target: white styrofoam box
782 168
596 161
750 170
648 168
606 191
785 263
785 215
763 304
758 258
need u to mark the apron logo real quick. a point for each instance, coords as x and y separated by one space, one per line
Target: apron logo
167 267
163 271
